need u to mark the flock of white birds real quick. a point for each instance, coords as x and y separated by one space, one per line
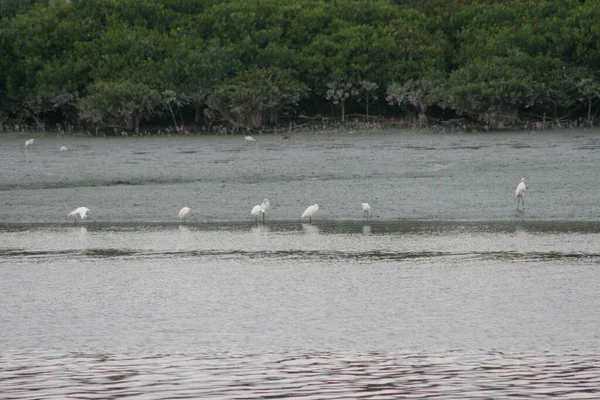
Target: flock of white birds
80 213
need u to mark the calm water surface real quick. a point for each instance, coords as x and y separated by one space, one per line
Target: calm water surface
448 292
403 176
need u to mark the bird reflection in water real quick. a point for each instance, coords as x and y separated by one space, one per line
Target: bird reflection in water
366 229
183 229
259 229
310 229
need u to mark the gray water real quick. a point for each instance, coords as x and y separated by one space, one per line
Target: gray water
448 292
402 177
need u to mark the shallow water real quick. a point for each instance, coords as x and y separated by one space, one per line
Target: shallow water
402 176
453 302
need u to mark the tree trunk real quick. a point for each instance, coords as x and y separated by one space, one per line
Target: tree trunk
135 122
38 121
256 120
273 116
422 117
174 120
198 114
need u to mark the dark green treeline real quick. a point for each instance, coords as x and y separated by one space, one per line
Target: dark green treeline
116 64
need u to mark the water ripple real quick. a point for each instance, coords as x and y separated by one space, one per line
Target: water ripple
313 255
451 375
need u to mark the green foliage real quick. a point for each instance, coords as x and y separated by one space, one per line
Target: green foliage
255 94
9 8
368 91
116 62
118 104
337 92
416 93
485 90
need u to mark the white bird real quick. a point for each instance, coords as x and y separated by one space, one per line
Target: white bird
183 213
520 193
265 205
249 138
79 213
261 208
310 211
28 142
366 210
63 148
255 211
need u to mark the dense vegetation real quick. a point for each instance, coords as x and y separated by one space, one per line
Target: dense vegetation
249 64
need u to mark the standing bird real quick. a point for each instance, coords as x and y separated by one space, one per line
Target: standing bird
28 142
520 193
265 205
261 208
310 211
79 213
255 211
366 210
249 138
183 213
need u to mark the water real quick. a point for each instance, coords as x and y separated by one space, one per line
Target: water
402 177
447 293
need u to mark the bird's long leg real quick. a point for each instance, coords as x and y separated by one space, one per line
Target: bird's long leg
523 203
263 218
310 220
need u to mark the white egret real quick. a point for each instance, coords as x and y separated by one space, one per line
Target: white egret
366 210
310 211
520 193
249 138
63 148
28 142
261 208
255 211
79 213
265 204
183 213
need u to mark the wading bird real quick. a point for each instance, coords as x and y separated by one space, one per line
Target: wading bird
28 142
79 213
310 211
249 138
520 193
183 213
265 204
261 208
366 210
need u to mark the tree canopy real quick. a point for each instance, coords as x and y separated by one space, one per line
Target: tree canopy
250 64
